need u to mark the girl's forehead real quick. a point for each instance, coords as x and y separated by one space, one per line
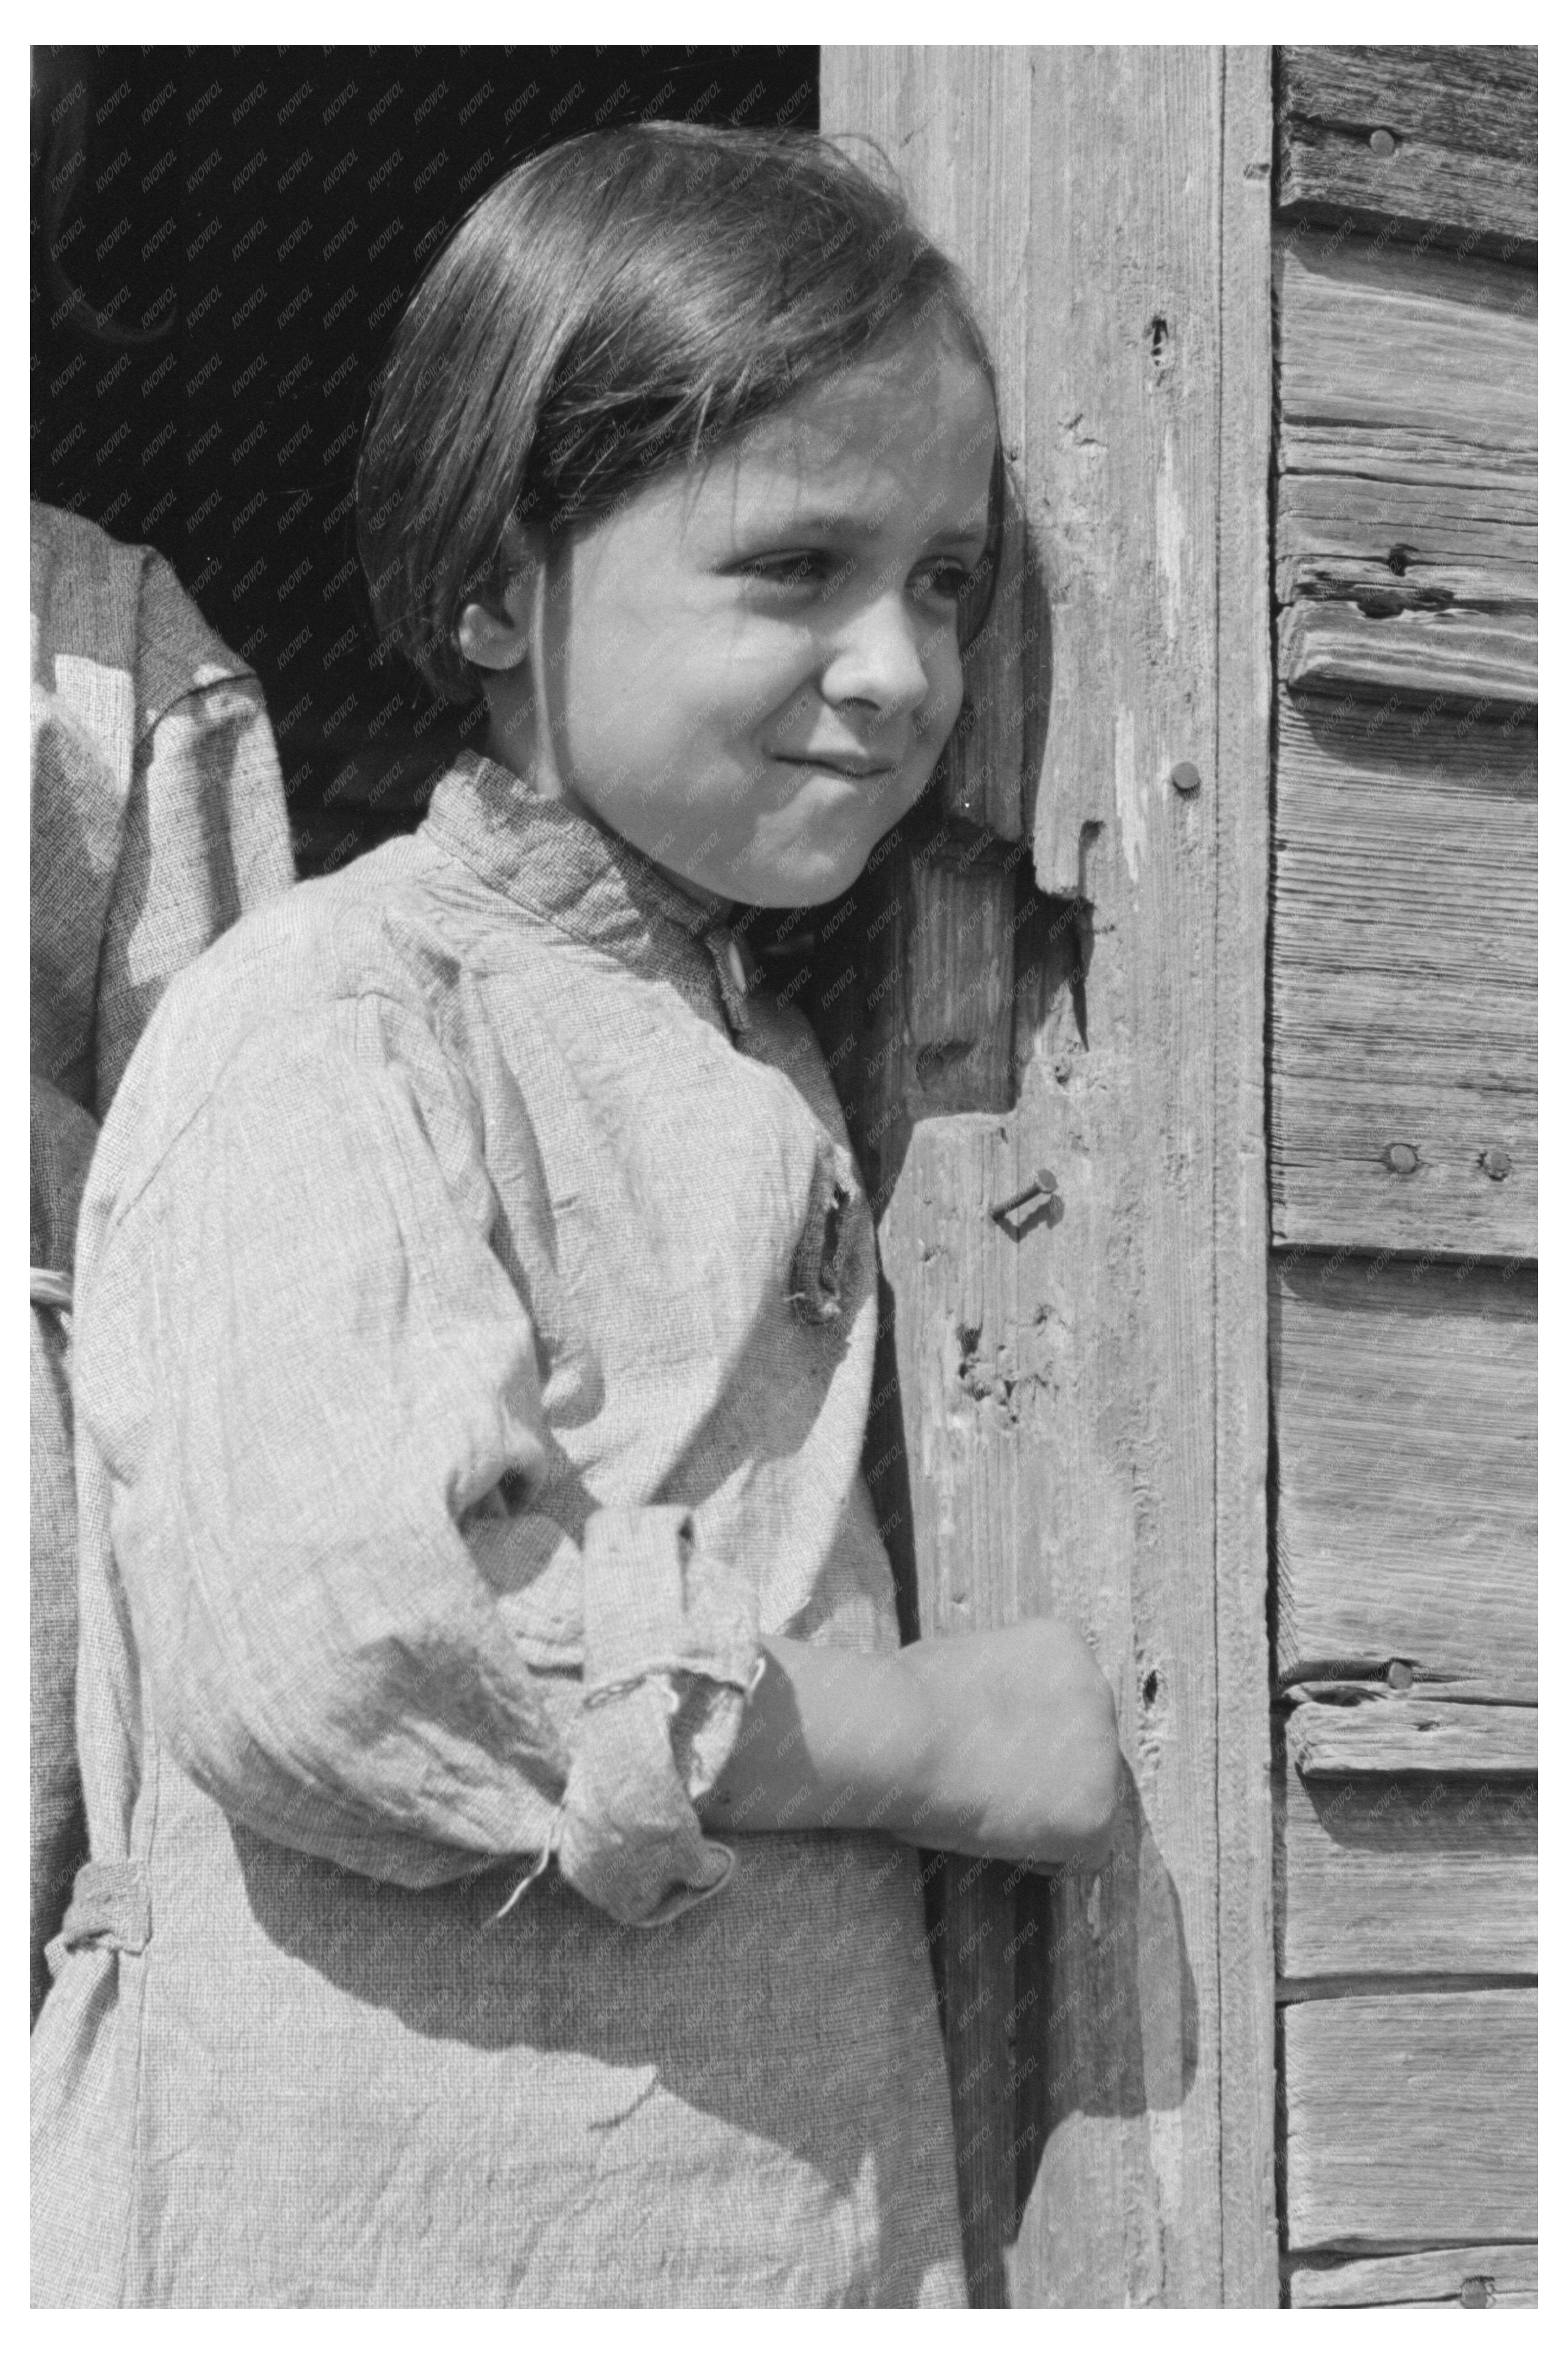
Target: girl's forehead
912 411
924 374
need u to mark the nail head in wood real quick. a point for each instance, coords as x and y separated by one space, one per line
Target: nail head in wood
1042 1183
1495 1162
1185 777
1401 1674
1402 1158
1383 143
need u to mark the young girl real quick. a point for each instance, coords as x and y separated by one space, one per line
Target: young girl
502 1776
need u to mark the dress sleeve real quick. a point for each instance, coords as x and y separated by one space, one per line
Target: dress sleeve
205 830
306 1371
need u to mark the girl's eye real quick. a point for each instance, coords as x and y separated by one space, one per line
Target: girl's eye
947 581
820 571
798 567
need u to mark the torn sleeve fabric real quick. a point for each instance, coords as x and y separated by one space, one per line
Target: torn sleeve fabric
309 1368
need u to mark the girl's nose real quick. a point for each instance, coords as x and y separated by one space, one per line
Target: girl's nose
879 658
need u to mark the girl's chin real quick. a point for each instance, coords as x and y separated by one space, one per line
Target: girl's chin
804 874
804 882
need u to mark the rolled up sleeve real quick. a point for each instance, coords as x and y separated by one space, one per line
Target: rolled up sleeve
671 1648
305 1368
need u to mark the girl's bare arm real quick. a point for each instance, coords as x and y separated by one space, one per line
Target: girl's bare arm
1002 1744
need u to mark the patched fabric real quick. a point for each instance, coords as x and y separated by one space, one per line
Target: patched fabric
450 1435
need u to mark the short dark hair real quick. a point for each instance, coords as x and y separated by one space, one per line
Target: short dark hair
616 306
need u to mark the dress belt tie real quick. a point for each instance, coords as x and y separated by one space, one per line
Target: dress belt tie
110 1908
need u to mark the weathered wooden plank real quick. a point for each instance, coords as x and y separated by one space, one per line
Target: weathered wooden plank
1349 535
1248 2230
1428 357
1410 2117
1405 1526
1505 2273
935 940
1115 1503
1461 168
958 1009
1417 473
1403 972
1446 466
1335 645
1003 719
1291 1993
977 1950
970 1376
1368 1730
1394 1878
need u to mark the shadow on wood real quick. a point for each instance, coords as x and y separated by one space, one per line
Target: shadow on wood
1026 1964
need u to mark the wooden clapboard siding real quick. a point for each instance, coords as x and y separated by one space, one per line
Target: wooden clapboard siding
1334 535
1403 1122
1395 1878
1405 356
1502 2274
1405 1517
1059 1370
1410 2117
1463 170
1406 563
1366 1730
1381 646
1387 453
1403 971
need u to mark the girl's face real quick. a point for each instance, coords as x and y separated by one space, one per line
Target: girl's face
750 669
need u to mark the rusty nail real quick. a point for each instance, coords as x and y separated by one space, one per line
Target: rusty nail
1185 777
1495 1161
1402 1158
1042 1181
1383 143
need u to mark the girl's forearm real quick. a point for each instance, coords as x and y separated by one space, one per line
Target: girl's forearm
1001 1744
830 1739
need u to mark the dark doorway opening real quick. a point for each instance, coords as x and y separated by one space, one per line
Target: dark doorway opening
223 242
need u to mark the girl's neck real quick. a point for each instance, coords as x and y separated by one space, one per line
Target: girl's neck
517 748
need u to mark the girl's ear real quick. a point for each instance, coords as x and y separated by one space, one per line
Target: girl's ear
498 637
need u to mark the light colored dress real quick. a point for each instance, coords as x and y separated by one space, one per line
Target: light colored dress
157 818
476 1309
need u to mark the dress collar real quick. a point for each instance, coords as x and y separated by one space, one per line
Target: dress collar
558 862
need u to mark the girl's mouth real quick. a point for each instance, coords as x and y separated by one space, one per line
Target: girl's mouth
839 764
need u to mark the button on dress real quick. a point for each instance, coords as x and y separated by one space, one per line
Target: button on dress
476 1300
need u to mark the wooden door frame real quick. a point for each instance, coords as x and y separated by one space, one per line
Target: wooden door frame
1112 210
